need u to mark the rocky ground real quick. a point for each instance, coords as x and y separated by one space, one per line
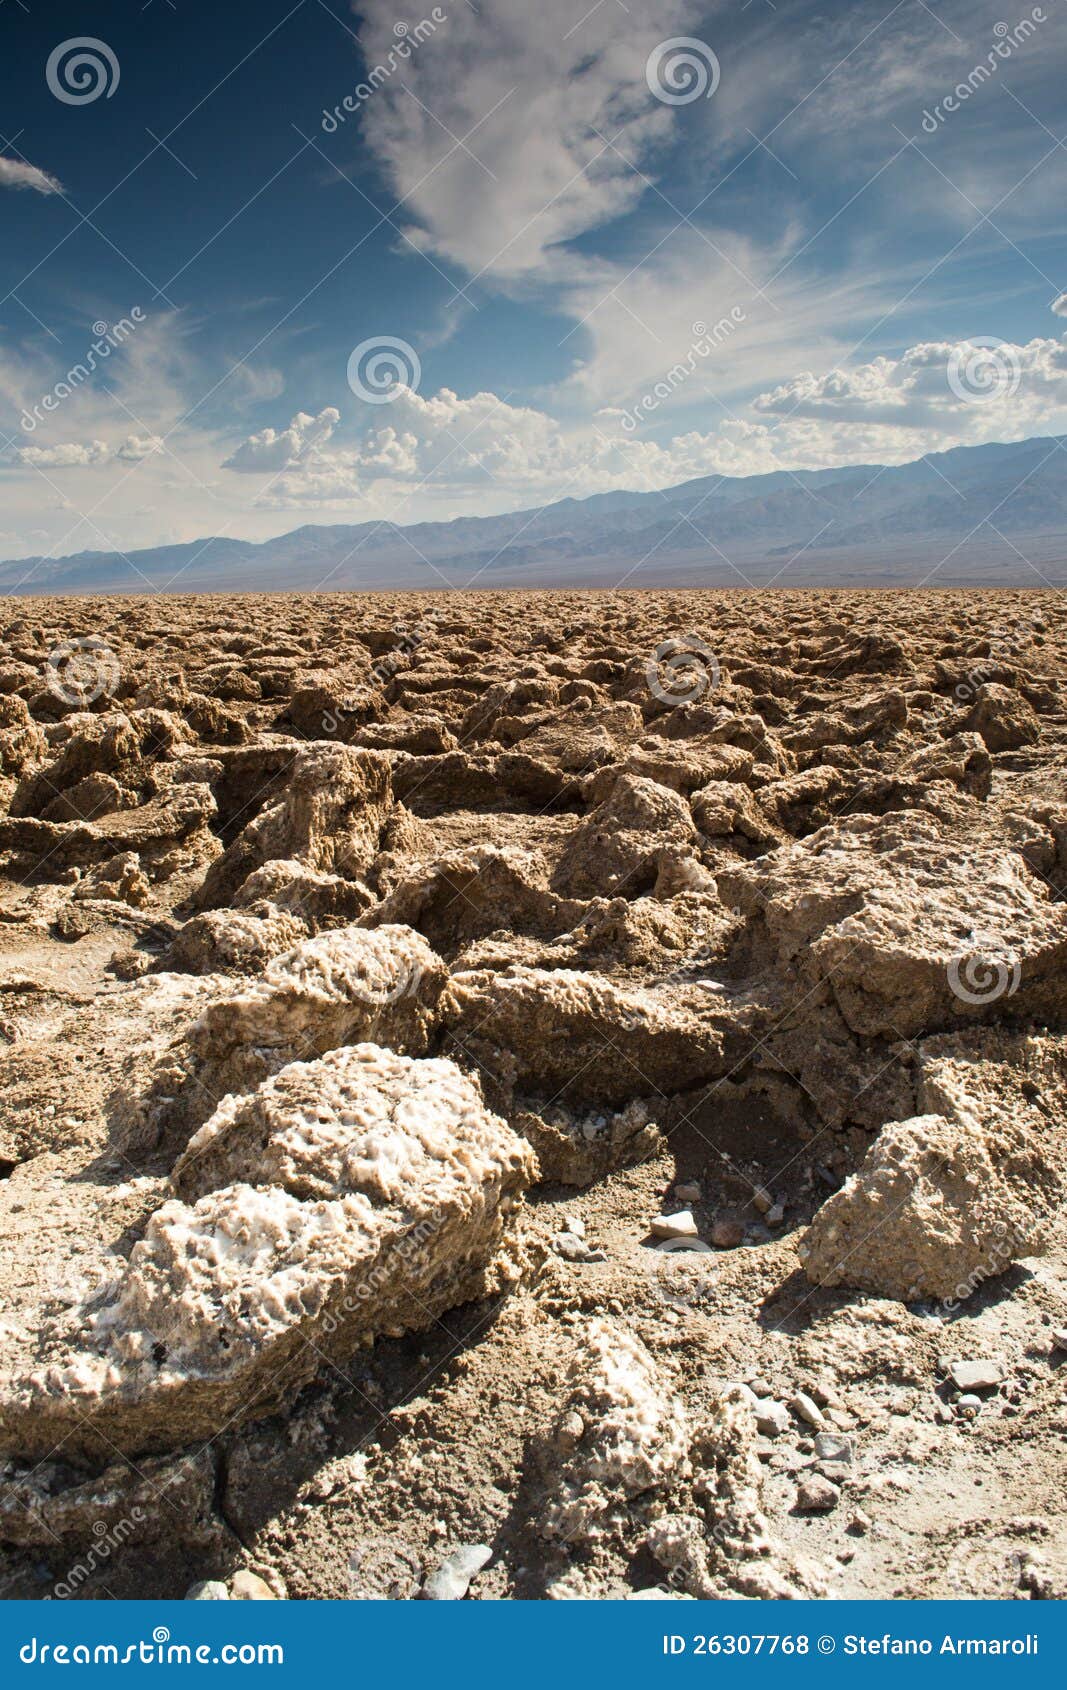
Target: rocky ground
534 1095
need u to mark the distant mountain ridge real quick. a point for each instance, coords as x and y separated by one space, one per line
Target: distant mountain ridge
864 521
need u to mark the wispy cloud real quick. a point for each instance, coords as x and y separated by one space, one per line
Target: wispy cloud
491 132
16 173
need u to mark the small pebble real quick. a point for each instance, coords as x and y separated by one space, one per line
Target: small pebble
860 1523
816 1495
246 1586
968 1407
762 1198
1059 1337
830 1446
776 1214
207 1590
680 1225
575 1249
772 1418
805 1409
570 1430
690 1193
976 1375
451 1580
727 1234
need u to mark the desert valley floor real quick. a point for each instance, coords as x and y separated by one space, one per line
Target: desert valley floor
547 1095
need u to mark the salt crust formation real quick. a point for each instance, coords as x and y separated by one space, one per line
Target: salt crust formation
395 941
360 1195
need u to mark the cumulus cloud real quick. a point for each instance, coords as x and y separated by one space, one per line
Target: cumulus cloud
1059 305
953 386
479 441
443 442
475 440
482 445
269 451
73 454
933 396
16 173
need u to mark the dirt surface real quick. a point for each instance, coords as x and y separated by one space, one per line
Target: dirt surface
577 1074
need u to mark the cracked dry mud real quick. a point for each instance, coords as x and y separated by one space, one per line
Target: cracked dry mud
375 971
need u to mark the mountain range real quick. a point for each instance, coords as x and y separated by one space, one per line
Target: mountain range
993 515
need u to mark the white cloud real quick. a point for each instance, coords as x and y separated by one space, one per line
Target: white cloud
933 396
562 136
1059 305
500 455
68 454
961 390
16 173
73 454
489 131
453 445
270 451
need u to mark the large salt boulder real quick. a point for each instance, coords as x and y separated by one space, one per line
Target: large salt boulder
1004 718
938 1206
466 894
233 941
329 990
329 816
622 1434
618 845
582 1036
22 742
229 1305
358 1118
909 927
338 988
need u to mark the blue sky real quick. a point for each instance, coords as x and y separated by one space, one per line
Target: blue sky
495 278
